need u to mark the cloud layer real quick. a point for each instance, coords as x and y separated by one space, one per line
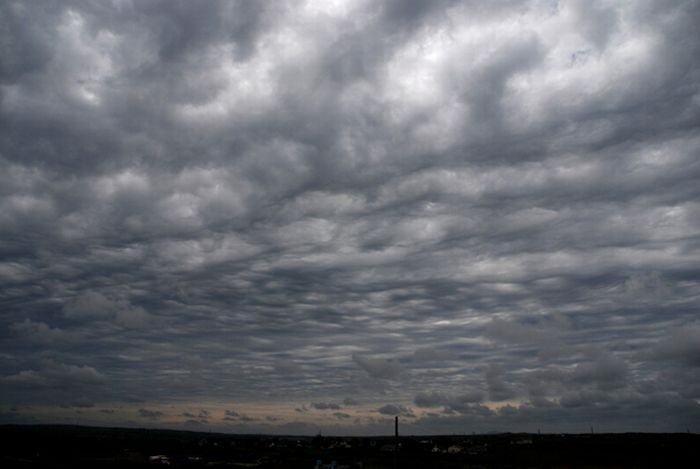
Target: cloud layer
479 216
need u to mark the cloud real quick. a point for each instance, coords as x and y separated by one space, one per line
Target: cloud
646 285
445 205
428 354
376 367
606 371
396 410
233 416
150 414
680 344
95 306
537 331
287 367
325 406
455 402
202 416
41 332
80 405
429 399
57 375
498 388
605 413
89 305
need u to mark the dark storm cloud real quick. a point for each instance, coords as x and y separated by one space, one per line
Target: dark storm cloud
486 210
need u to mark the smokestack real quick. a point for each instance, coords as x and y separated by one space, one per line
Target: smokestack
396 432
396 440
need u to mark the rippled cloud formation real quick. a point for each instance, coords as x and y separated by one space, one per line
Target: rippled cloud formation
288 217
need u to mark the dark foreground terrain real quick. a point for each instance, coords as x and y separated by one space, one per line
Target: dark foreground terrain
47 446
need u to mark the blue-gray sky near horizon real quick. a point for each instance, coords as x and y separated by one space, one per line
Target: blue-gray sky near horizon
300 216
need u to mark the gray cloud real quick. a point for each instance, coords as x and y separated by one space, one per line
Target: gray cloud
56 375
150 414
202 416
325 405
498 388
396 410
234 416
606 371
681 344
428 354
457 402
377 367
93 305
487 211
40 332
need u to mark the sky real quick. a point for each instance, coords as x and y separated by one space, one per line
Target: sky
294 217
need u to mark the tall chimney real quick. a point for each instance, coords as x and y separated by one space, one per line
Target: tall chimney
396 432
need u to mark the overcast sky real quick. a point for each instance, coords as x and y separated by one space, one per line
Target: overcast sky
292 217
